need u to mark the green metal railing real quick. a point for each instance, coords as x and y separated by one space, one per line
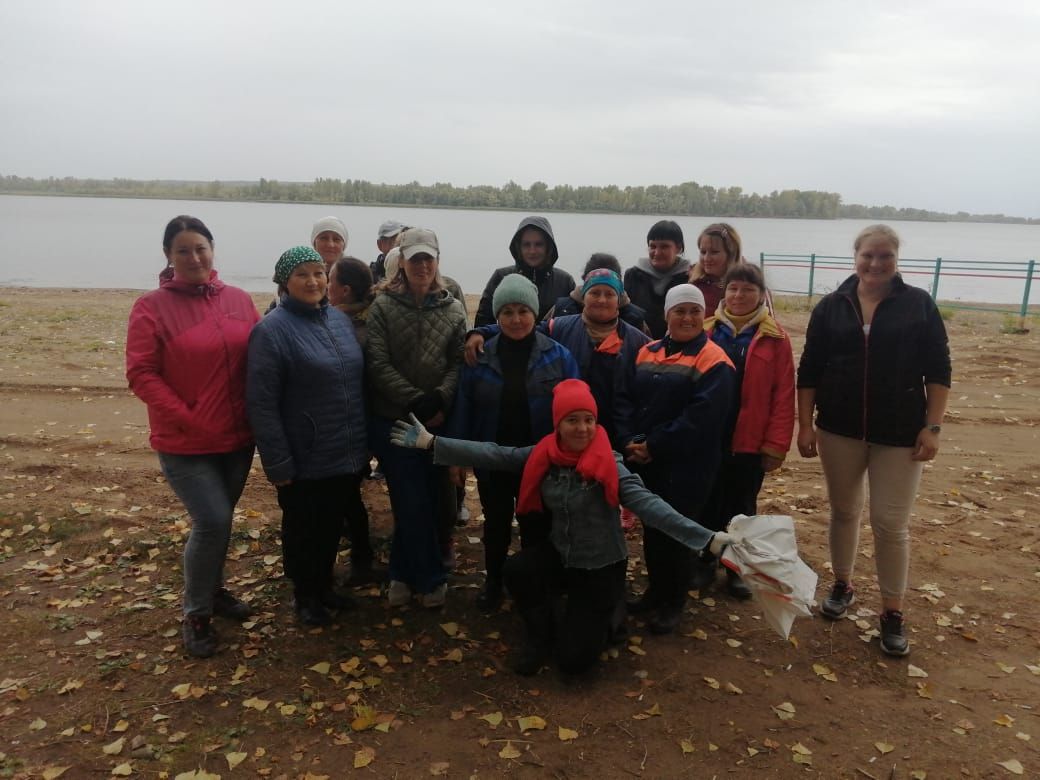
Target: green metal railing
1011 271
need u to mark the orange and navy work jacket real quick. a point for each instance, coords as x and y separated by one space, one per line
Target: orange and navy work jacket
680 402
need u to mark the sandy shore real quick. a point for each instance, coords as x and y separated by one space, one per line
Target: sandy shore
89 577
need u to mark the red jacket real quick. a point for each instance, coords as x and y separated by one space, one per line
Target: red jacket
186 359
765 422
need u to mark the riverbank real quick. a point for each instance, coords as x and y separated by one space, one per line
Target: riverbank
94 679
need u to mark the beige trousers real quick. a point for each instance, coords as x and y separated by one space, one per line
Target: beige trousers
893 479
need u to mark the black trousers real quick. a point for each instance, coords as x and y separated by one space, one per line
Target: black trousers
312 520
735 491
356 522
668 565
498 492
538 581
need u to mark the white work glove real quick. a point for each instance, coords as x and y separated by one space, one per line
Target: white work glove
413 435
719 541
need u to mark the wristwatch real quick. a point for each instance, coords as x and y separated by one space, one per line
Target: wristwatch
935 428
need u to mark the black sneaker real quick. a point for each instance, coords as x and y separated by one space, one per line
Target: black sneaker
702 573
840 599
736 587
667 619
490 598
892 640
200 640
311 612
648 602
331 599
226 605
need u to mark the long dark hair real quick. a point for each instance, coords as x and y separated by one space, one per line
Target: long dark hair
182 223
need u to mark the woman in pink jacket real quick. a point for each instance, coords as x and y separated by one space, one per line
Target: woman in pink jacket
186 359
761 420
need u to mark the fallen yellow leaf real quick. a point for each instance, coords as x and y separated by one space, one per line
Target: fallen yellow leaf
1013 765
566 734
825 672
1004 720
884 747
509 751
322 667
915 671
451 629
114 748
530 723
125 770
121 726
256 704
494 718
439 768
687 746
54 772
364 757
234 759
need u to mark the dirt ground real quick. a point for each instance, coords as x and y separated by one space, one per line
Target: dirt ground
93 680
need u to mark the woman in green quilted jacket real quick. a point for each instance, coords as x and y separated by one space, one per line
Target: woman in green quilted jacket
415 334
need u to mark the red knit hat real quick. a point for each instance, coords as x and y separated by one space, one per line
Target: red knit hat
571 395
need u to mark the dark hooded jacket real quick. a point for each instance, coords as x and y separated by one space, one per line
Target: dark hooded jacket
552 282
647 288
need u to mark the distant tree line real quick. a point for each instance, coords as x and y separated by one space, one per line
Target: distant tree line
688 198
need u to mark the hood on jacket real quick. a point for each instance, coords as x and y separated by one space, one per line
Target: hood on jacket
543 225
661 279
168 282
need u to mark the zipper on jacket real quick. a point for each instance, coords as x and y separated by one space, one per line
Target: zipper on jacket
215 307
323 319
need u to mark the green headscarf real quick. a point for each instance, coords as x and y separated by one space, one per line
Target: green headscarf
291 258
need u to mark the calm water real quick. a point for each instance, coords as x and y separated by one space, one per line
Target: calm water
102 242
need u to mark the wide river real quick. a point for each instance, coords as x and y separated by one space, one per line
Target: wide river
117 243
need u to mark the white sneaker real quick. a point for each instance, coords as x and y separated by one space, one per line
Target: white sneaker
436 597
398 594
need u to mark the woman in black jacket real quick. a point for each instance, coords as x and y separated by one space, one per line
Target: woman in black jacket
876 369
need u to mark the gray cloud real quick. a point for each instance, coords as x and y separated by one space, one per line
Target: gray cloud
926 104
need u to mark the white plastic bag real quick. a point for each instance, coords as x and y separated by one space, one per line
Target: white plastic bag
766 558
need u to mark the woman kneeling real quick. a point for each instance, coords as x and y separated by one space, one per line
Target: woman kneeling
574 474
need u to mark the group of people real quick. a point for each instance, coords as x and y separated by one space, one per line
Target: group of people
667 391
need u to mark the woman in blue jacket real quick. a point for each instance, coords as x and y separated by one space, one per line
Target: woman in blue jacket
307 409
581 482
507 398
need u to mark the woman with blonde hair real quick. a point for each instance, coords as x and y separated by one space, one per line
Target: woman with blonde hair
720 249
875 370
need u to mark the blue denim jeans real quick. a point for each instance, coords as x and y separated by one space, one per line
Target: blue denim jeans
209 486
414 483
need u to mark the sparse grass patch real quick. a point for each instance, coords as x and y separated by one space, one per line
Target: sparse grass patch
1013 325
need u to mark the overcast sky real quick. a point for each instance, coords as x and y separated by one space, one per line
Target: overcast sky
913 103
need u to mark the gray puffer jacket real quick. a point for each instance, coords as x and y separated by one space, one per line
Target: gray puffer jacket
413 350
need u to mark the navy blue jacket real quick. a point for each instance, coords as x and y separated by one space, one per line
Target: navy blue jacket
475 414
304 393
680 403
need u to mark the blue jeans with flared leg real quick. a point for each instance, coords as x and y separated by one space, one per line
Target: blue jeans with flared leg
209 486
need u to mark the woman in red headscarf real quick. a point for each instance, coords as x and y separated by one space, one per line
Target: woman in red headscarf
575 475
